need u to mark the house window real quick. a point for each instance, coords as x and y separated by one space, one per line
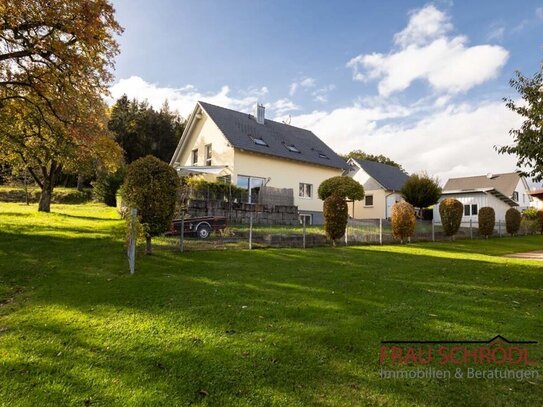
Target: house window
225 179
368 200
307 217
515 196
209 153
195 157
251 184
470 210
322 155
306 190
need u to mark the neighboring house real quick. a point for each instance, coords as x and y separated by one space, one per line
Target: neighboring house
252 151
498 191
537 195
382 184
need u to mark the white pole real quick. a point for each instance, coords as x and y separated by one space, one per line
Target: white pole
132 241
471 228
380 231
433 231
346 233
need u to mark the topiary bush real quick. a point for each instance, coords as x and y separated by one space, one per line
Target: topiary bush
345 187
487 221
451 211
403 221
335 217
512 221
150 185
421 191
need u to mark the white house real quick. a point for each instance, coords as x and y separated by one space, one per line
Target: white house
382 184
498 191
251 151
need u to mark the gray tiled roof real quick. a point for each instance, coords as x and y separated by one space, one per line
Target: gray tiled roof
505 183
239 127
390 177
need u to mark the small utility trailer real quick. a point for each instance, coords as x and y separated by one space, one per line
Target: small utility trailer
200 227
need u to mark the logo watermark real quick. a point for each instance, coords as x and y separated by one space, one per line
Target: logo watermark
494 359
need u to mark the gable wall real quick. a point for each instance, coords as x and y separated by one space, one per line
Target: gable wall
205 131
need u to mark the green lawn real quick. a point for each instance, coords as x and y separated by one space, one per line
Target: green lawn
251 328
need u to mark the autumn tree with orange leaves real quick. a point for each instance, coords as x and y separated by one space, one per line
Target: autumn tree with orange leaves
56 61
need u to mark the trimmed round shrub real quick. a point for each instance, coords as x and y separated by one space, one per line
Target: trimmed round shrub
344 187
150 186
487 221
421 190
451 211
512 221
335 217
403 221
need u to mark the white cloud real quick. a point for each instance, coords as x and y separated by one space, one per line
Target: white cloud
425 52
304 83
496 32
454 141
424 25
183 99
321 94
282 106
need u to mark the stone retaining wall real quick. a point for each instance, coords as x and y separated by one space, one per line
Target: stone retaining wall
240 213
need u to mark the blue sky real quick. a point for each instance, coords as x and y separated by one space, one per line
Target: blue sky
420 82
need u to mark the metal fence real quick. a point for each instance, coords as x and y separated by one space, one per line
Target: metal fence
358 232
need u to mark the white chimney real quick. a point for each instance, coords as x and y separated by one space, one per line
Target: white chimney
259 114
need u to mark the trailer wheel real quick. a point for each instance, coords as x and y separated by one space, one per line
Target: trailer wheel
203 231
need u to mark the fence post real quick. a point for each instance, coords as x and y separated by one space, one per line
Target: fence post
132 241
303 240
380 231
250 230
433 231
471 228
182 234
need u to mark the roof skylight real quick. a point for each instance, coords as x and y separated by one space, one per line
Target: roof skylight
259 141
292 148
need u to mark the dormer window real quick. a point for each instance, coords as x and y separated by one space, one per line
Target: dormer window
515 196
322 155
292 148
258 141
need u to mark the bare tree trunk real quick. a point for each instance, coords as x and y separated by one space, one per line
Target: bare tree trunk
148 245
80 181
47 184
45 197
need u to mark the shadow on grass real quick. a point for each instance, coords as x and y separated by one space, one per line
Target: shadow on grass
289 327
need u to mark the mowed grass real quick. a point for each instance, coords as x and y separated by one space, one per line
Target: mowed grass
249 328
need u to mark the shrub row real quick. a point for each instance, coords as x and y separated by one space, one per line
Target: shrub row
61 196
403 220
